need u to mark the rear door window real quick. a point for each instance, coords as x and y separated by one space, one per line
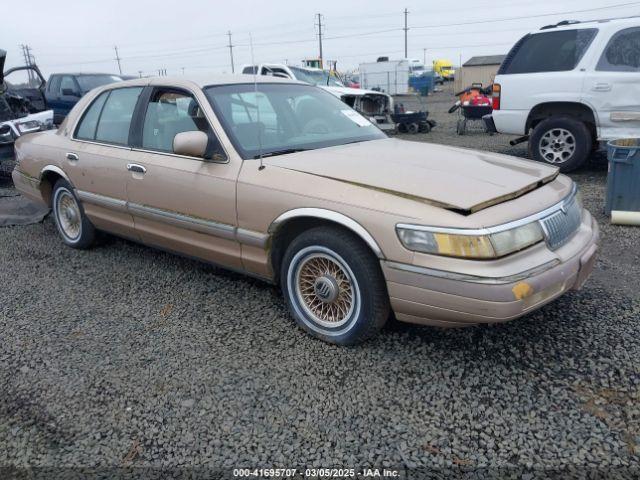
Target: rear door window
108 119
87 128
622 53
553 51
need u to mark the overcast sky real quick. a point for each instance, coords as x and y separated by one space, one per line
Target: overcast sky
79 35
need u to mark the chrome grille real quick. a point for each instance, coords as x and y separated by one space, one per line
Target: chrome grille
560 226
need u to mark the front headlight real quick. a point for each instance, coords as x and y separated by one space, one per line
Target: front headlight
29 126
470 245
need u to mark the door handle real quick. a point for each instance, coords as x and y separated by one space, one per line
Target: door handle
72 157
602 87
134 167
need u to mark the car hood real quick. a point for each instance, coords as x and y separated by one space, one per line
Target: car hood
457 179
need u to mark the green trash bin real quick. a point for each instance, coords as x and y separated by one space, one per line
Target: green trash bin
623 181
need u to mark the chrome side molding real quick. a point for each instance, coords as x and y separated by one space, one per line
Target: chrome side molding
183 221
217 229
102 201
252 238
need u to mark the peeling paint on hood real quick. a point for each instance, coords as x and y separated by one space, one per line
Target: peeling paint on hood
457 179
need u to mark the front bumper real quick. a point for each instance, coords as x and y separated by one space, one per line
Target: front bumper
421 296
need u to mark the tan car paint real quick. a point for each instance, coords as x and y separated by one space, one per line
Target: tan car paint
227 212
443 176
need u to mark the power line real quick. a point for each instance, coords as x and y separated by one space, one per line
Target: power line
505 19
197 51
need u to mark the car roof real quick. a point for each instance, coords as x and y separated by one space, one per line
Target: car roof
575 24
201 81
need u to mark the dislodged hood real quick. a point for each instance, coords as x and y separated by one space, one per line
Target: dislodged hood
357 92
462 180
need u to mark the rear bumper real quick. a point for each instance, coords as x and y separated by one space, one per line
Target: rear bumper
28 186
419 296
489 123
510 121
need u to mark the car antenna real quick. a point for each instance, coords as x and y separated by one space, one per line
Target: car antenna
255 89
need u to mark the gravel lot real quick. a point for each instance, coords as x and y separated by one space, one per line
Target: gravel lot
123 356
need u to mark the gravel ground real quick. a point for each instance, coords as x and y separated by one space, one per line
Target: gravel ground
123 356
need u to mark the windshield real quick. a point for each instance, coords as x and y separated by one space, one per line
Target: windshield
284 117
89 82
316 77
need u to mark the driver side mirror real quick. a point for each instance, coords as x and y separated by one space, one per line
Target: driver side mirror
190 144
70 92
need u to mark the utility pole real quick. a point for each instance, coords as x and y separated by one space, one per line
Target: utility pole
31 62
320 39
118 60
140 73
26 53
424 57
406 29
231 51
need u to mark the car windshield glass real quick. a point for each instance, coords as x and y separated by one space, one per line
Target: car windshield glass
89 82
279 118
316 77
555 51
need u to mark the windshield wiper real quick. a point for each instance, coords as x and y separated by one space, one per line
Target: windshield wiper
280 152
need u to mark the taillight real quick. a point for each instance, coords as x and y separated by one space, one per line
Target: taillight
495 97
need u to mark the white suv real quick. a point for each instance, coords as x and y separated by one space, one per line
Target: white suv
568 86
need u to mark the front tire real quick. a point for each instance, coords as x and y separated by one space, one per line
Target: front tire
562 141
334 287
73 225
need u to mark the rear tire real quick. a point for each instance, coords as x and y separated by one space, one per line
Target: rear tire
334 287
73 225
561 141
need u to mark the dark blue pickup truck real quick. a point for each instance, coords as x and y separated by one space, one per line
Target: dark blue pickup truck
65 89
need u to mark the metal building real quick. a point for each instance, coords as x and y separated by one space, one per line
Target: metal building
481 69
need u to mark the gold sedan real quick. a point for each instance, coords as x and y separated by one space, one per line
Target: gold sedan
283 181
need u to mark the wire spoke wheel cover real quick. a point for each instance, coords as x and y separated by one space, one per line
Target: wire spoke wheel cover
557 145
68 214
324 289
